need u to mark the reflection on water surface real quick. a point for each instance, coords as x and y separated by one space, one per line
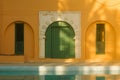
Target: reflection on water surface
63 77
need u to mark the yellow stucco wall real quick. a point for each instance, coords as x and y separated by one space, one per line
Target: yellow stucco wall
91 11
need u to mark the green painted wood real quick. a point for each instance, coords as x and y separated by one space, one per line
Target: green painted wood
100 78
48 44
100 40
59 41
62 77
19 38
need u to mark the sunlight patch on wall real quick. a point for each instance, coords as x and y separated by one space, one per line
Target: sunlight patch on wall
62 5
112 4
98 11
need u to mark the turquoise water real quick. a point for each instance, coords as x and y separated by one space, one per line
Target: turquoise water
60 72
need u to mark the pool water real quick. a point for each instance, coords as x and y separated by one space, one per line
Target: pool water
62 77
55 71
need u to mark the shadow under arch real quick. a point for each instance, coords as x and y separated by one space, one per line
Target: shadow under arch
90 42
101 21
60 37
18 22
57 23
9 42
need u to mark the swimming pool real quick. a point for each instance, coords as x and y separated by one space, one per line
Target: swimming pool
59 72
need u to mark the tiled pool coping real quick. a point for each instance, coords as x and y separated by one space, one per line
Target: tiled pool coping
60 69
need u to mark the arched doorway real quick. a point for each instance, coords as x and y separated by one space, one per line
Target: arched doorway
59 42
19 40
100 42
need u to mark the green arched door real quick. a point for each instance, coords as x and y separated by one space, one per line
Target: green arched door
59 42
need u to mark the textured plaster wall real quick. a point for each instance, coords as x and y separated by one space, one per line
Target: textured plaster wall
91 11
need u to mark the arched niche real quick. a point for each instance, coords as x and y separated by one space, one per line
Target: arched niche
9 40
90 42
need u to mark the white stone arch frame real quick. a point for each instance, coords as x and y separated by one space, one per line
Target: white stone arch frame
48 17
